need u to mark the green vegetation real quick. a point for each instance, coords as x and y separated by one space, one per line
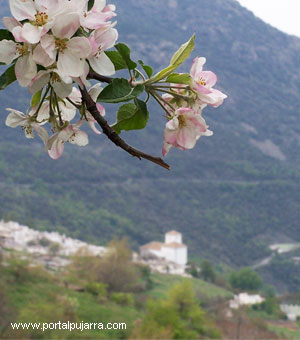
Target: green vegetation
162 283
158 306
31 294
177 317
245 279
292 333
207 271
286 269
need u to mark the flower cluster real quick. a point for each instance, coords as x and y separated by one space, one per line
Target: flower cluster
55 44
184 105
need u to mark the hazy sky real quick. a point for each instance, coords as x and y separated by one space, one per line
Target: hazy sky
283 14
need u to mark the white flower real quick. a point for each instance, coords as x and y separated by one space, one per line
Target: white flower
41 15
61 84
71 51
184 129
25 67
202 83
17 118
101 40
71 134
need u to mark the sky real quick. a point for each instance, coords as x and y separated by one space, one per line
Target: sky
282 14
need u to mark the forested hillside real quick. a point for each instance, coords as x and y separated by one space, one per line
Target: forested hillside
231 196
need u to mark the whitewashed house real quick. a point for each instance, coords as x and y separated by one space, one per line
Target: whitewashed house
172 250
291 311
244 299
21 238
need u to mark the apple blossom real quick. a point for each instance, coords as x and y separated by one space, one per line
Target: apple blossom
202 83
40 15
101 40
96 18
99 14
17 118
184 129
61 84
25 68
71 134
70 52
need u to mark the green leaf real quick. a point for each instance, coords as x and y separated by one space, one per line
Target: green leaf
116 59
5 34
119 91
178 58
148 69
132 116
184 52
90 4
125 53
36 98
163 74
7 77
179 78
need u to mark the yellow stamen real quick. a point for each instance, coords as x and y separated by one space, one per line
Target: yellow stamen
99 51
61 44
201 81
55 78
22 50
41 19
182 121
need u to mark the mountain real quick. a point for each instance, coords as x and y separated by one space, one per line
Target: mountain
232 196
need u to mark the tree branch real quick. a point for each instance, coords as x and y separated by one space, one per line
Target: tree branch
99 77
113 136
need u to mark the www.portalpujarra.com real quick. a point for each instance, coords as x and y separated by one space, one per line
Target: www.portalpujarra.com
70 326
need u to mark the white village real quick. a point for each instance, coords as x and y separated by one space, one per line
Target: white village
54 250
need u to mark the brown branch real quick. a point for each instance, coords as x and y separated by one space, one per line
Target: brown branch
113 136
99 77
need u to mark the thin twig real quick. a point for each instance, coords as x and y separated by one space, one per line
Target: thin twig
155 96
174 94
58 109
74 104
171 87
113 136
99 77
41 102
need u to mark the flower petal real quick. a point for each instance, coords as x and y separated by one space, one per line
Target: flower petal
61 88
66 25
187 137
80 46
23 9
94 91
197 66
166 148
79 138
106 37
25 70
43 134
11 23
48 44
15 118
7 51
57 149
39 81
102 65
31 33
41 57
70 64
